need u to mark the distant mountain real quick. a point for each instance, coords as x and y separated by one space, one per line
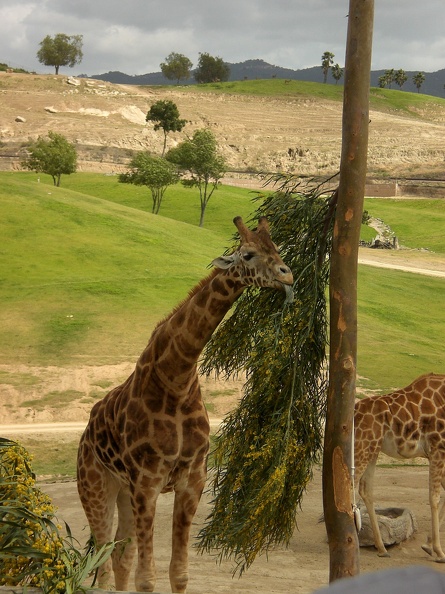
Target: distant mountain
259 69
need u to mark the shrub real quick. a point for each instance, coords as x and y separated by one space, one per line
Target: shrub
32 550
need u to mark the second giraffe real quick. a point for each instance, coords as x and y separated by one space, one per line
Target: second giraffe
408 423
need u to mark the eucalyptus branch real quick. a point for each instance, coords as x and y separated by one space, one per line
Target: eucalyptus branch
266 448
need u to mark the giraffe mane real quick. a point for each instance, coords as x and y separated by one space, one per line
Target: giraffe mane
202 283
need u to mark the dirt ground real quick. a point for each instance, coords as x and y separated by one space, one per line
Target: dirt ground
301 568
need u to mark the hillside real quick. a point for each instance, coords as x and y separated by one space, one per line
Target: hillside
259 69
265 125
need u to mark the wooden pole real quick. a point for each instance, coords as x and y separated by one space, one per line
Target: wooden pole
337 484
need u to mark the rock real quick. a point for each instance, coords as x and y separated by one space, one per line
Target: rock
396 525
20 119
51 109
73 81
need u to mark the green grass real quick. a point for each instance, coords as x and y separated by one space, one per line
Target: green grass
273 87
52 455
415 105
54 399
87 271
401 321
89 277
417 223
179 204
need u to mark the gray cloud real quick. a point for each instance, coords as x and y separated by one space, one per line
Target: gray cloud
135 36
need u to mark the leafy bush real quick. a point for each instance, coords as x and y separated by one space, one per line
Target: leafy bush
32 550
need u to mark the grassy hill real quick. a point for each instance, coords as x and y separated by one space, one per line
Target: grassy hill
384 100
87 271
89 277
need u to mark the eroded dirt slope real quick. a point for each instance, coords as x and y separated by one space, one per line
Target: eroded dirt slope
255 133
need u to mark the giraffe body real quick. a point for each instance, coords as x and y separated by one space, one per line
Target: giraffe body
408 423
150 435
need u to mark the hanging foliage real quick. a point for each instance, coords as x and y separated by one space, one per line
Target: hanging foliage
266 448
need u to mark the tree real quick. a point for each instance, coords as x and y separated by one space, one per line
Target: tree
389 77
383 81
198 156
327 59
211 69
62 50
53 155
400 77
154 172
339 434
418 80
166 115
337 72
176 67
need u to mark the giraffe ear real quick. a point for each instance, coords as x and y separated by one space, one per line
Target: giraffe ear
225 262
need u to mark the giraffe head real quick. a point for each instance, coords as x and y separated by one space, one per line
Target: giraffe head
256 262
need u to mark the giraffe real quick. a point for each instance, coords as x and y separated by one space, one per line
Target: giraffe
150 435
407 423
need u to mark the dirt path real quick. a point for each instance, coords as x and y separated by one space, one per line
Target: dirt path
388 263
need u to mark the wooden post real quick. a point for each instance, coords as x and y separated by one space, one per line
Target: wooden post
337 483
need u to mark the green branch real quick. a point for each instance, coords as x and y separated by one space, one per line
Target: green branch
266 448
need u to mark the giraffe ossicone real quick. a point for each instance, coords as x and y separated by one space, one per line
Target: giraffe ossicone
407 423
150 435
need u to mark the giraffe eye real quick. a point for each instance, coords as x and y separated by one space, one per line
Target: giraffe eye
248 256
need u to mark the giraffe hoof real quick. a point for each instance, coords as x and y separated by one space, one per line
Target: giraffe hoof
440 560
427 549
384 554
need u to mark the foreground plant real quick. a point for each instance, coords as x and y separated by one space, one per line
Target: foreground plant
32 550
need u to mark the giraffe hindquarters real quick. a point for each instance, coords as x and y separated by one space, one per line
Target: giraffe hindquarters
98 490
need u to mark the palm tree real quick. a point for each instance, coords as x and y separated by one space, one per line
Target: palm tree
383 81
400 77
337 72
327 59
390 76
418 80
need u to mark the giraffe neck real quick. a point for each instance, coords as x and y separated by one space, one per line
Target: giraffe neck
177 342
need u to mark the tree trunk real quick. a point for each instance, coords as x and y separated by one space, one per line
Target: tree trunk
337 481
165 144
201 218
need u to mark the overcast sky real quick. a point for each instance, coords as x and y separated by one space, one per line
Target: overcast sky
135 36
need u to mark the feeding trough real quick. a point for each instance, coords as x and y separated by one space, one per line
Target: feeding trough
396 525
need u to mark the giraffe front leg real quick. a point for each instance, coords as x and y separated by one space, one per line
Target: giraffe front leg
144 507
366 490
186 503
